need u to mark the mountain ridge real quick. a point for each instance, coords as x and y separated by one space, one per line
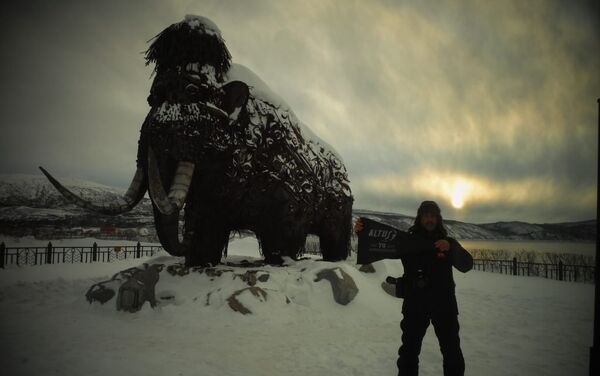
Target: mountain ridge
28 202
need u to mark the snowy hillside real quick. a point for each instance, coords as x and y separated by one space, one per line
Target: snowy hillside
36 191
584 230
551 231
508 325
30 201
459 230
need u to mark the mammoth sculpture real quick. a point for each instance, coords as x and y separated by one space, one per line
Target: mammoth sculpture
222 147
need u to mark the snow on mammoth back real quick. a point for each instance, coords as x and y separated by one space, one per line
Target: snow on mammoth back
260 90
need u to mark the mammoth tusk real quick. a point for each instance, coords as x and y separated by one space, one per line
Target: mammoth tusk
173 202
157 192
181 183
132 197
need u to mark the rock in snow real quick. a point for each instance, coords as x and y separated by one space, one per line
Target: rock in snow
237 306
137 285
343 286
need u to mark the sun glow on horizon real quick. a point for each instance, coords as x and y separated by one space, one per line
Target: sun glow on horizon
458 194
461 191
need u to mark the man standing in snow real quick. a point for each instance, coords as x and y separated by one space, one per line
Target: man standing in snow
427 287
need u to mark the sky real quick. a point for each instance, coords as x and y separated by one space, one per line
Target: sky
487 107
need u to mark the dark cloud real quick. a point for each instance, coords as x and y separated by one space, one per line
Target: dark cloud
500 96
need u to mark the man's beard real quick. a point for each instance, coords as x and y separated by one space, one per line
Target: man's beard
429 227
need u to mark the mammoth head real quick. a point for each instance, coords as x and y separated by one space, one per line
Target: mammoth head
194 40
188 97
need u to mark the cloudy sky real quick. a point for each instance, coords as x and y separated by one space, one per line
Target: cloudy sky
487 107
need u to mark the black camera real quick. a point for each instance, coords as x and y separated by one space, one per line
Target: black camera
409 284
399 283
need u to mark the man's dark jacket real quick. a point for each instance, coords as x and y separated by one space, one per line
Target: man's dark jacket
420 258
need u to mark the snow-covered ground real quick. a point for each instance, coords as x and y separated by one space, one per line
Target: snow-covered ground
509 325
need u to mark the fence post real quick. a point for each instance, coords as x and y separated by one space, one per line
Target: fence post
94 251
514 266
560 270
2 254
138 250
49 253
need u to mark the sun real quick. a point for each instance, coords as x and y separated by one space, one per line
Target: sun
457 200
458 194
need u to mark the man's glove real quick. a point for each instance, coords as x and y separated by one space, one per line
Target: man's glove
358 226
443 247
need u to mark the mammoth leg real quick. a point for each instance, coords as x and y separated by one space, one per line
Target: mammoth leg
282 226
297 244
208 231
271 239
282 237
269 249
208 243
334 234
275 245
293 241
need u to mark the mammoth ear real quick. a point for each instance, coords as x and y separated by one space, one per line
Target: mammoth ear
236 97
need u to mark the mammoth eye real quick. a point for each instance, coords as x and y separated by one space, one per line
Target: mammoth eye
192 89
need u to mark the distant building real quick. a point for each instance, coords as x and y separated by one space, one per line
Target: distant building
110 230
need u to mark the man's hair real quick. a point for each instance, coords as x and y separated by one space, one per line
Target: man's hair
439 231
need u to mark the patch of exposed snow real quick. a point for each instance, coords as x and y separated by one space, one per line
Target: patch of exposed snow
195 22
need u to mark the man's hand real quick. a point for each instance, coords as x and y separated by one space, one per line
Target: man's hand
358 226
442 245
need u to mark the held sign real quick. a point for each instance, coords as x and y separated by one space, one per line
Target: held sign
378 241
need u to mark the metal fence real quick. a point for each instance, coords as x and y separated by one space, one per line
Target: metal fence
560 271
57 255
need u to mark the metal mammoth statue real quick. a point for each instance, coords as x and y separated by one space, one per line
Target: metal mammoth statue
220 145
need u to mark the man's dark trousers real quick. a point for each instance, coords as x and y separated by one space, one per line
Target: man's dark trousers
414 325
